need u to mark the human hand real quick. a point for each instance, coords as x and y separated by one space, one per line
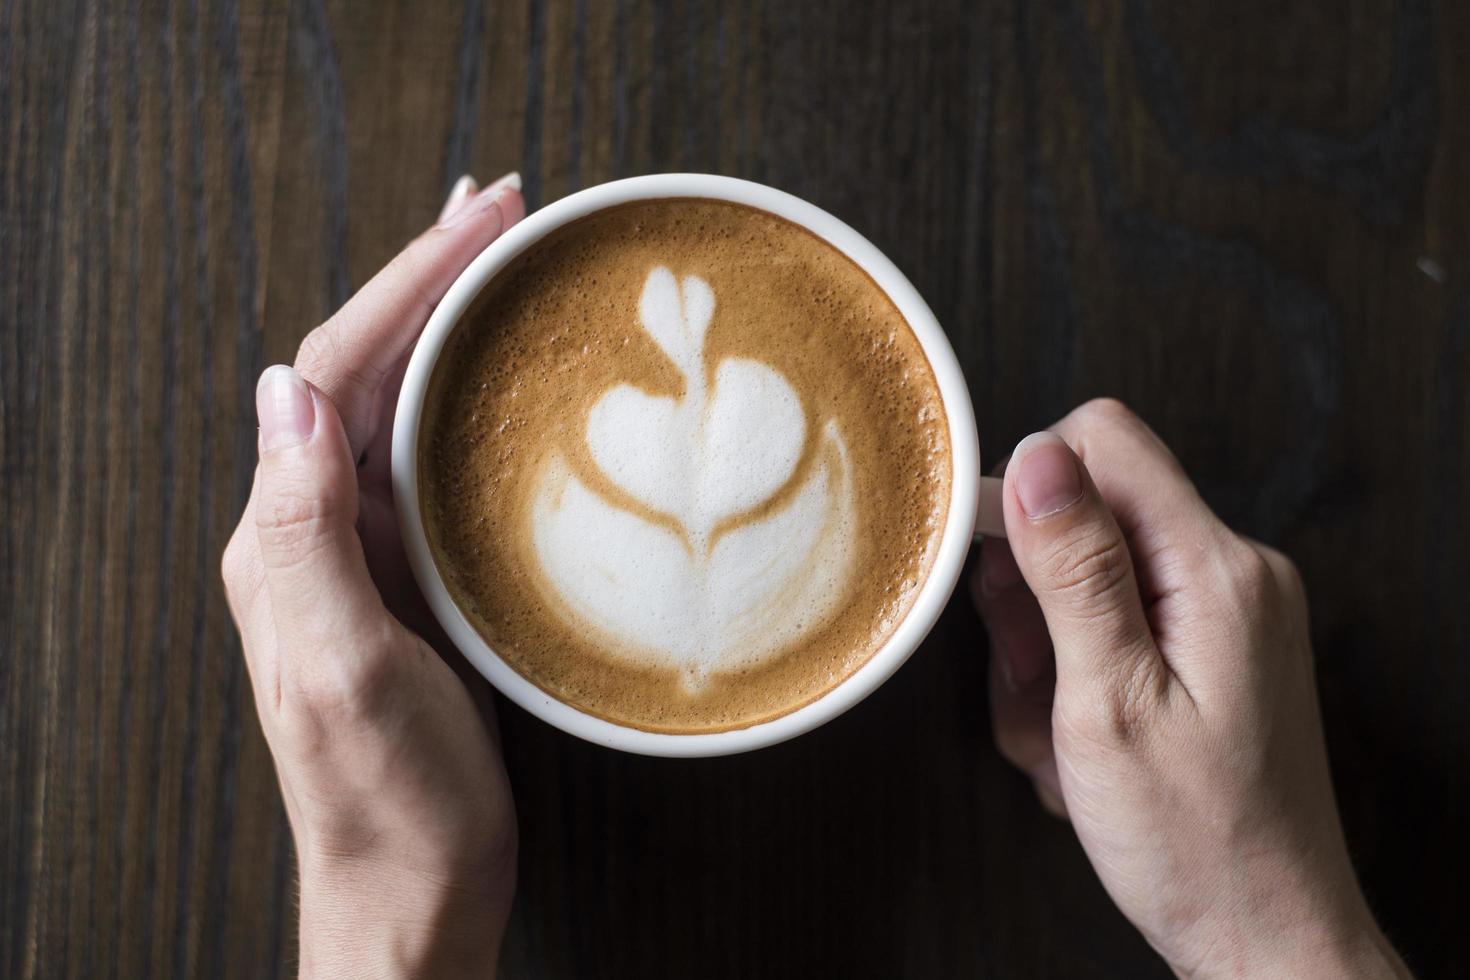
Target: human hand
1151 672
389 766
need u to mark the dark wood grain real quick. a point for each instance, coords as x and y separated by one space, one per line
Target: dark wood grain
1249 220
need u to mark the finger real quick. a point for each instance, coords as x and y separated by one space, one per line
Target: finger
375 455
1021 722
1073 557
1022 673
1049 792
321 595
512 205
1161 514
387 561
1284 573
1019 641
348 357
375 458
458 194
1013 620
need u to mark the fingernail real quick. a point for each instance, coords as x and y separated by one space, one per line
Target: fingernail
511 180
478 204
1047 479
284 406
458 195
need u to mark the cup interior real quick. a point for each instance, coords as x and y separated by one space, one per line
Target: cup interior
964 452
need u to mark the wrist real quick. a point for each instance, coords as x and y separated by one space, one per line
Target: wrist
368 920
1332 947
1362 954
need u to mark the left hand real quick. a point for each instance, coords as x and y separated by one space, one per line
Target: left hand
389 763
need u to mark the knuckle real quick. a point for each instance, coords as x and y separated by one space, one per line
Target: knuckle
232 563
1127 712
1248 576
346 684
1287 574
1271 589
1108 432
359 378
1117 713
329 361
294 522
1105 412
1087 567
319 353
241 572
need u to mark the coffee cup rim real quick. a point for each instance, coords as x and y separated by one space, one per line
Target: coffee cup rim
954 542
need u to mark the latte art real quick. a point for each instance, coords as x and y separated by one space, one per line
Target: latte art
720 591
683 465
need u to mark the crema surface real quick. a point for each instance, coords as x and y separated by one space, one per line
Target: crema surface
684 465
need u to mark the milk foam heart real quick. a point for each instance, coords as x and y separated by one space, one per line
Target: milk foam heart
705 456
721 592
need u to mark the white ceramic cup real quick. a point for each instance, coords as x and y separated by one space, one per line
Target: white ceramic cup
959 528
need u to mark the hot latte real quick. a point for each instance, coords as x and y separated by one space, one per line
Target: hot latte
684 465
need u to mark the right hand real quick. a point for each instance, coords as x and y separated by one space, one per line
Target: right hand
1151 672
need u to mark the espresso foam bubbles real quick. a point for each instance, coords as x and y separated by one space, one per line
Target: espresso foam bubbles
684 465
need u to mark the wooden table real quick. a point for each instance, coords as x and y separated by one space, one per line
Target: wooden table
1250 220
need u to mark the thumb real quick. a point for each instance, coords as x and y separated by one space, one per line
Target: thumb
1076 561
320 591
